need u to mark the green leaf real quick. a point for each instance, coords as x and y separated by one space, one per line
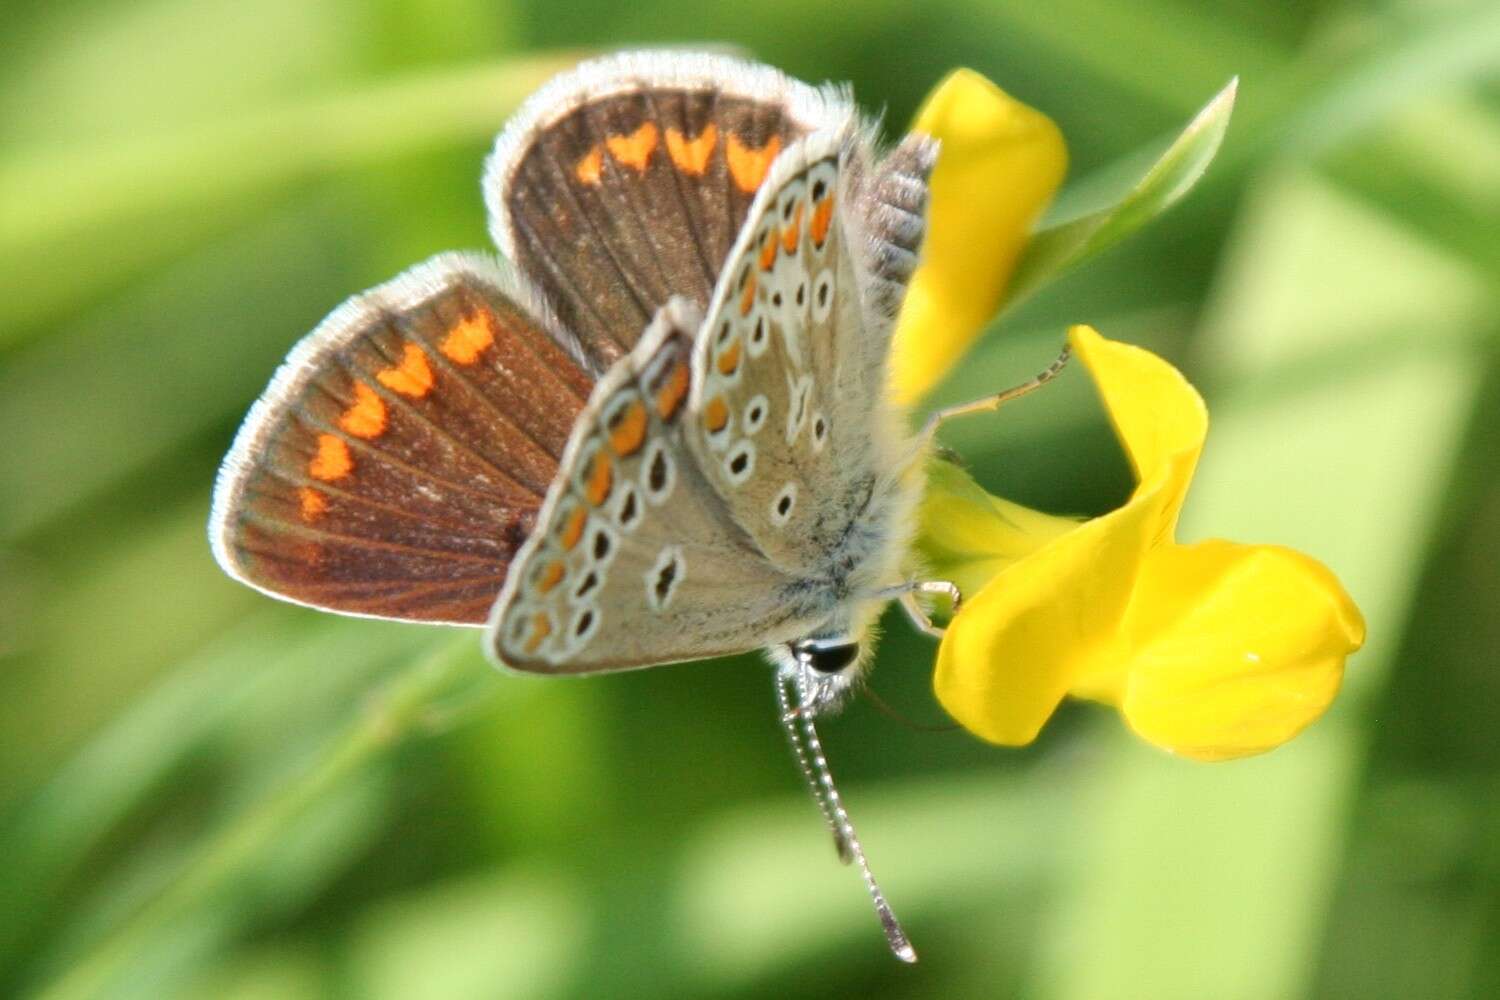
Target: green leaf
1060 247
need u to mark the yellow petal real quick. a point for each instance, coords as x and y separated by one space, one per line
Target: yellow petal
967 536
1051 621
1015 648
1234 648
1158 416
999 165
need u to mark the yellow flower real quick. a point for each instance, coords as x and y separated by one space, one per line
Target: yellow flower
1212 650
999 166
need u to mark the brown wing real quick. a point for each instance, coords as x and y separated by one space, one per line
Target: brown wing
625 182
398 458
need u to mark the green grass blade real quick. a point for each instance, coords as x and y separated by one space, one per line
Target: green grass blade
394 712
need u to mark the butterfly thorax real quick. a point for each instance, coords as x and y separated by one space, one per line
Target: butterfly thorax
831 657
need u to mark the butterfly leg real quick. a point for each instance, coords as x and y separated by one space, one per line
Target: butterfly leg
998 400
917 613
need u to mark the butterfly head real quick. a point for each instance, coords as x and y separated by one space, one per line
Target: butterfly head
824 667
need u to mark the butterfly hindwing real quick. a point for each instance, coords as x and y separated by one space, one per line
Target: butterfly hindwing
626 182
399 458
635 559
790 422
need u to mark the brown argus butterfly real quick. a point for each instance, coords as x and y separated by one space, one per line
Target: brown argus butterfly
657 431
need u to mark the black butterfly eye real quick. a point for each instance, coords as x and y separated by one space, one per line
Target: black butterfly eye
824 658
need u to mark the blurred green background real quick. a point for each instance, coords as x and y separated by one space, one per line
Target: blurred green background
204 793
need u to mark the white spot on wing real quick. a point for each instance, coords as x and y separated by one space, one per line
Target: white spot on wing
819 432
581 628
664 577
587 586
756 412
739 464
758 338
798 393
600 544
628 507
784 503
658 472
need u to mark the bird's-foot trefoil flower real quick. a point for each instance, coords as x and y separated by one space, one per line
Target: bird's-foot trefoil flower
1212 650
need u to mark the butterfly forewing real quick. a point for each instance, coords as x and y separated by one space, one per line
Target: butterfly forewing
627 181
398 460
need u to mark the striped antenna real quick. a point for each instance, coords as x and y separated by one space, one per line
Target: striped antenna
808 749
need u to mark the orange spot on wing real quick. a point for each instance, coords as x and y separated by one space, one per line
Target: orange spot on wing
768 251
747 297
716 414
628 430
412 377
822 219
748 166
332 461
601 478
691 155
793 232
551 576
729 359
590 167
670 396
573 527
634 150
469 339
541 627
313 502
366 416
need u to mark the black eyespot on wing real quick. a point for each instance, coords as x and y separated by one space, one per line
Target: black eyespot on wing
588 583
818 188
738 463
584 621
657 474
784 505
665 579
602 545
630 510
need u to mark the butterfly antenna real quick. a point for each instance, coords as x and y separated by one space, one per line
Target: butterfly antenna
789 721
814 765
